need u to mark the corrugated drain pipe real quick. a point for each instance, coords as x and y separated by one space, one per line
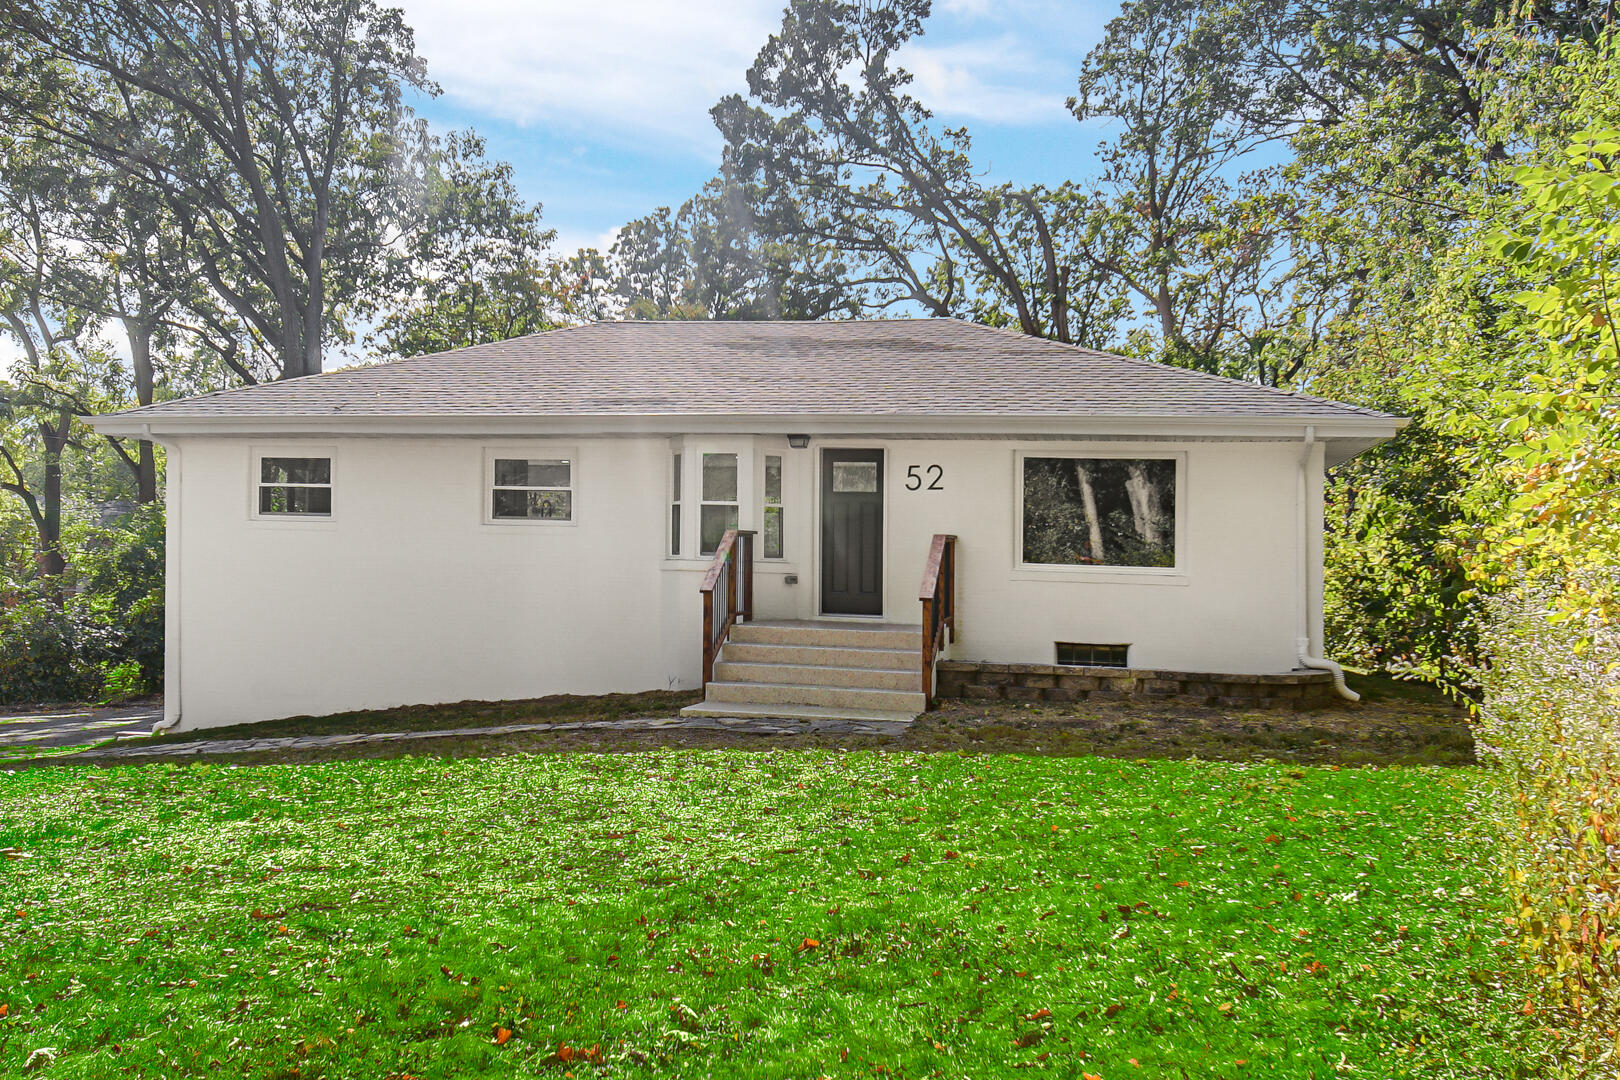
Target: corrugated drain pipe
1317 663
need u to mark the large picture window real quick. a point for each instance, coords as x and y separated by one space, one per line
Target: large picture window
1081 511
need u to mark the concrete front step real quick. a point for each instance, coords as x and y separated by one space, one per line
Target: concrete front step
858 678
837 697
755 652
837 634
796 712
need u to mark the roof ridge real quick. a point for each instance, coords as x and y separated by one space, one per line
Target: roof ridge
913 364
1294 395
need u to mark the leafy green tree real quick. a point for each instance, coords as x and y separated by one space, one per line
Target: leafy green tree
473 267
1165 222
711 260
63 371
1559 525
273 131
653 260
847 160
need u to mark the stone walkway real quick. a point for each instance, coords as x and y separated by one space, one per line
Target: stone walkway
735 725
74 726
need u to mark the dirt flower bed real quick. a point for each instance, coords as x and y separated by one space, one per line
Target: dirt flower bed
1392 726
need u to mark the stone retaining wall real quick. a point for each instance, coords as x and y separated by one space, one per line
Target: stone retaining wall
1051 683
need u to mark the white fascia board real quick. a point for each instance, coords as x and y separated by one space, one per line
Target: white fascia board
1349 426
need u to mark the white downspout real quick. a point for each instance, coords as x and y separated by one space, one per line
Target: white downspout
1302 496
171 585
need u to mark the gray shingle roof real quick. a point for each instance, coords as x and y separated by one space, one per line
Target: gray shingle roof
921 367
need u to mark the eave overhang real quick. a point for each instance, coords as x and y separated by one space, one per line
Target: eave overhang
1345 436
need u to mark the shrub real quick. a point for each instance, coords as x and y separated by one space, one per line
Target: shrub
106 640
47 655
119 574
1551 719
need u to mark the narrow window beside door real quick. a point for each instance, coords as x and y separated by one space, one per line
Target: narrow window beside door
295 486
533 489
675 507
773 507
718 511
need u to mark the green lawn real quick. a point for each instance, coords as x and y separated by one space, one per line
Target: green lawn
721 913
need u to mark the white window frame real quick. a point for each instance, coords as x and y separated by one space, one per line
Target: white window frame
256 456
1160 575
675 525
765 504
741 456
531 451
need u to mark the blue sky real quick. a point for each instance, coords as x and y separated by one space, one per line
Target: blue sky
602 107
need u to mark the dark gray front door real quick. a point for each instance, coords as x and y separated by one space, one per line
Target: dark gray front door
852 532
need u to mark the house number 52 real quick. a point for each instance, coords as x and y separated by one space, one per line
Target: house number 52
915 478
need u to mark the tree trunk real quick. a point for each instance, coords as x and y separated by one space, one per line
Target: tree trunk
140 351
1088 499
146 474
50 560
1144 507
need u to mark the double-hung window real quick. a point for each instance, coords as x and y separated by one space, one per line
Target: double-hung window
294 487
532 489
675 505
772 548
718 510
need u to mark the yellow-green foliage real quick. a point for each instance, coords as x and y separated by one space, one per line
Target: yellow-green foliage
1549 512
1551 719
1563 429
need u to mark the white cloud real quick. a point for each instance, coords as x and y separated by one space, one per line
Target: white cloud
571 240
634 69
646 72
987 80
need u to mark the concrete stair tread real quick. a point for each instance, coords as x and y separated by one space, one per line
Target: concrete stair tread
786 674
829 668
805 686
898 654
828 634
836 697
796 712
828 656
837 624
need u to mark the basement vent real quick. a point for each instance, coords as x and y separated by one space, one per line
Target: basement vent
1082 654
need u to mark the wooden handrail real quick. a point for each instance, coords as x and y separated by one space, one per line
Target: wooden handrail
938 596
731 574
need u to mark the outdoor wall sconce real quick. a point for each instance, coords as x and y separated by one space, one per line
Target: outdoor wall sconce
798 442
